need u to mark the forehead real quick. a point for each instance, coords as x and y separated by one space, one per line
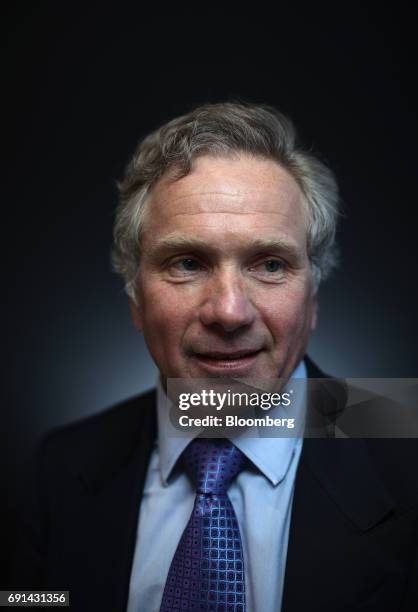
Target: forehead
235 196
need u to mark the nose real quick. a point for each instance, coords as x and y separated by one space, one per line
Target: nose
226 303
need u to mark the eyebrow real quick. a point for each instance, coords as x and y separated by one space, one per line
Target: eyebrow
177 242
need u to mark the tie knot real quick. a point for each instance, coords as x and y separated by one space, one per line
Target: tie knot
212 464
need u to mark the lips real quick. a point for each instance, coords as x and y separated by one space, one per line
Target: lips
218 361
231 355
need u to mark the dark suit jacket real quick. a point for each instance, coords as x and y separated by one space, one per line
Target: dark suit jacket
354 527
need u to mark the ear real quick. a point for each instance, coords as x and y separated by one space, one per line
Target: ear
314 312
135 314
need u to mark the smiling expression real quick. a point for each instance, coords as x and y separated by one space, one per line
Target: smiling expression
224 284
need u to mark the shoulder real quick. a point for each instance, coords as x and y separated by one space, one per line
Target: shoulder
114 432
388 454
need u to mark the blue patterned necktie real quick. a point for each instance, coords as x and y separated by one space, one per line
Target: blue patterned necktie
207 571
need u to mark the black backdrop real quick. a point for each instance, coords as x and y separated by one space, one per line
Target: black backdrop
81 87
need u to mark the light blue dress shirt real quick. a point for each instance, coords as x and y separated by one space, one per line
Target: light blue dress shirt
262 500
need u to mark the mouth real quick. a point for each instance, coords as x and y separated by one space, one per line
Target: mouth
217 361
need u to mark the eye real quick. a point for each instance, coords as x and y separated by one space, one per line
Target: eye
272 265
186 265
270 269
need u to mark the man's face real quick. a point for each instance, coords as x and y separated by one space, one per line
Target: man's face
224 284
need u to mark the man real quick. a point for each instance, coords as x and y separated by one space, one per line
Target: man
224 231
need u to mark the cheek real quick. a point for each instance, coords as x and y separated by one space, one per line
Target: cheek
288 316
164 316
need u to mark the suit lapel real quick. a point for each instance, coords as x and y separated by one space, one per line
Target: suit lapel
113 486
338 496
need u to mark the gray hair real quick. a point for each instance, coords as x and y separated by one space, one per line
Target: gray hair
220 130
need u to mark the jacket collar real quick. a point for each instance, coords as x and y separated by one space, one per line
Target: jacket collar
122 434
342 466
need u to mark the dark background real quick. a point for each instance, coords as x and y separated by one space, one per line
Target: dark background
82 86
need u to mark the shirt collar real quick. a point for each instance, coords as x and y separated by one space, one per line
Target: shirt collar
272 456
